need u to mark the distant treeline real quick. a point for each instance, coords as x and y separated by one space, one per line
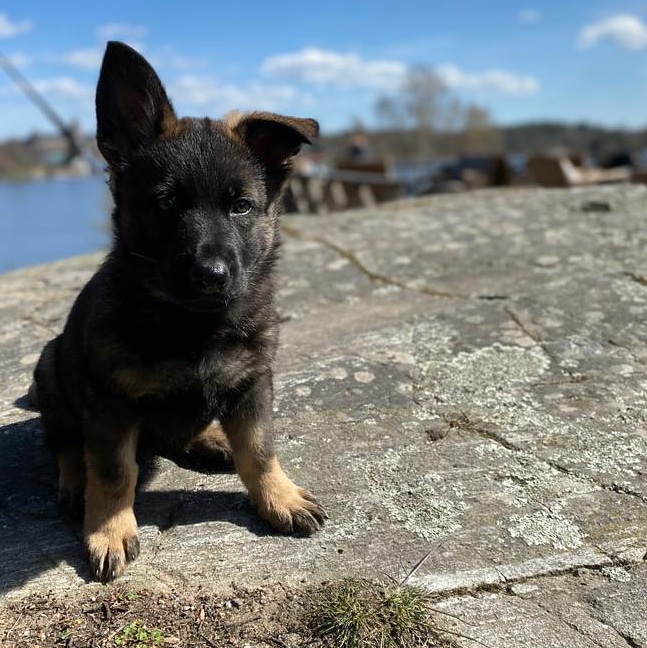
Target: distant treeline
23 158
424 118
598 142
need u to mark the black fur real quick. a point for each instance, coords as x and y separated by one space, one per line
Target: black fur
178 326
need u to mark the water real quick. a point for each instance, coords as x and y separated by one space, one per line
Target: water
416 176
46 220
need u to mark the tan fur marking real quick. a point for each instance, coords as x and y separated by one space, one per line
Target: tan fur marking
170 125
231 120
160 379
276 498
166 377
269 232
137 379
109 522
211 437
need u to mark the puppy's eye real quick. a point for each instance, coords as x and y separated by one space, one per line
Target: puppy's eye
241 207
166 202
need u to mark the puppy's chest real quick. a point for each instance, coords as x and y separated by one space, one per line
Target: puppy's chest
166 371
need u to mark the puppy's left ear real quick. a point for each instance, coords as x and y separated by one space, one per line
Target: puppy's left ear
132 106
274 139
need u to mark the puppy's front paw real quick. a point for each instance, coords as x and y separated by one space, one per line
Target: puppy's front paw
112 545
285 506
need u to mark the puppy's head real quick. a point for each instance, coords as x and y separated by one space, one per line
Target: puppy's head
196 200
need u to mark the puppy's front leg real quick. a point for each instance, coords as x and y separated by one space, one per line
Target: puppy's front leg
276 498
109 527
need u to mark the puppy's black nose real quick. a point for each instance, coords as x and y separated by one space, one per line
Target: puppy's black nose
209 277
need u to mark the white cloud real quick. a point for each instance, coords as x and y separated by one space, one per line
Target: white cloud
65 88
208 94
168 57
85 59
624 30
121 31
527 16
89 58
324 67
8 28
327 68
20 59
491 80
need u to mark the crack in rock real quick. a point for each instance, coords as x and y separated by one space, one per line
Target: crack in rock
351 257
502 577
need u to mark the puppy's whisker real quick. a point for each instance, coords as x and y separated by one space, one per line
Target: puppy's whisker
144 257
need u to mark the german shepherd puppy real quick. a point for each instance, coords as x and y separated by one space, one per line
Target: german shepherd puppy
177 329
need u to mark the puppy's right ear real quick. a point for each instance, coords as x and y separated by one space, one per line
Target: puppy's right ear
132 106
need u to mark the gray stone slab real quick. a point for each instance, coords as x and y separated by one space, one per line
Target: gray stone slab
461 375
604 608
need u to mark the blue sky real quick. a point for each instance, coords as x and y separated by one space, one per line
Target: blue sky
575 60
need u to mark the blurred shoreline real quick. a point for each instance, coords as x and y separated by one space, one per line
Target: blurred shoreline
44 156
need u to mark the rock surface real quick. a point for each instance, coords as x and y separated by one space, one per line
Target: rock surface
461 375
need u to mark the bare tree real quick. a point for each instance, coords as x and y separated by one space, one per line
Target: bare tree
424 106
389 113
479 135
430 117
428 102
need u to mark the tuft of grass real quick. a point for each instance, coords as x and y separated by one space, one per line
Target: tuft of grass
126 596
137 635
357 613
67 629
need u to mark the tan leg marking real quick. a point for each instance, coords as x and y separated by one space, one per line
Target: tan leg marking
211 440
110 528
71 481
207 452
276 498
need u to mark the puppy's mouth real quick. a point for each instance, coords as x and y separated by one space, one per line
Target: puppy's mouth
197 301
192 301
205 303
177 288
